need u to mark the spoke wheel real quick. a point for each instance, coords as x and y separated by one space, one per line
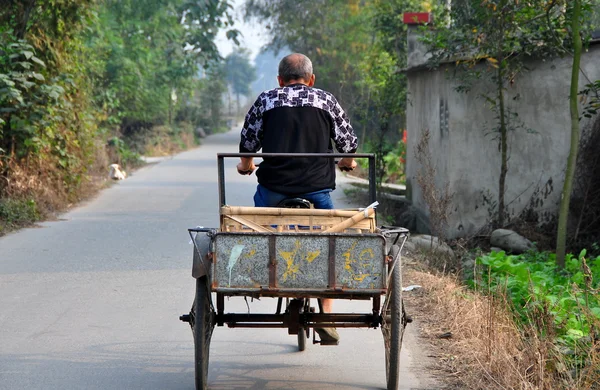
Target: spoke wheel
202 327
393 322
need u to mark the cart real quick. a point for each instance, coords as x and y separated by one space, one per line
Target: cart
297 255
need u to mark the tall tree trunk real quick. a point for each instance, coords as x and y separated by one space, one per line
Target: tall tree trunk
503 145
22 24
563 216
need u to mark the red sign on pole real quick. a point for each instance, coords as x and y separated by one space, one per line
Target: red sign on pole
417 18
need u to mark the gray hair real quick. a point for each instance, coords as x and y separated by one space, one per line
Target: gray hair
294 67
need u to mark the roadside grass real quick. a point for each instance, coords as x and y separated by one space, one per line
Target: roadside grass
489 342
16 213
34 190
165 140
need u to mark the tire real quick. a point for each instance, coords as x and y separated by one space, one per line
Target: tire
202 328
393 324
303 332
301 339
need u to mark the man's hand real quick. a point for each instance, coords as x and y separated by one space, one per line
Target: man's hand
246 166
347 164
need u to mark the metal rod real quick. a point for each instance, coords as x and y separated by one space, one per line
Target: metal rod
308 318
300 292
288 155
221 178
372 179
263 325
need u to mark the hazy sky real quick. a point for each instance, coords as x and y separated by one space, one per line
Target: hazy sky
253 37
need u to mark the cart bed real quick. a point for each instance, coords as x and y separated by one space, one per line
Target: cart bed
290 263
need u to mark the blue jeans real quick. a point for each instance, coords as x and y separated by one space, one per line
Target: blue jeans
267 198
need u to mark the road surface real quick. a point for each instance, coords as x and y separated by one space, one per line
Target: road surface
92 301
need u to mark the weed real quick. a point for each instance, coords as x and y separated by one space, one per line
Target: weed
437 200
16 213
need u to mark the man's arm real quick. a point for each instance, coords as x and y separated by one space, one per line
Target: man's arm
344 138
251 136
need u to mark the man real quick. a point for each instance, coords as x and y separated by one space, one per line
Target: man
297 118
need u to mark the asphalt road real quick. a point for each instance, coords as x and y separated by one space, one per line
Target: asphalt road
92 301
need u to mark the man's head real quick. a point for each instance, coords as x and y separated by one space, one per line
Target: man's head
295 68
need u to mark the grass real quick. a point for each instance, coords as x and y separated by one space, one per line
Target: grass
16 213
491 347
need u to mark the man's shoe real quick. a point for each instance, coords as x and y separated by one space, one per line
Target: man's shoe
328 336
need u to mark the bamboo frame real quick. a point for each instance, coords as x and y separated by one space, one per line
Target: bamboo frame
274 219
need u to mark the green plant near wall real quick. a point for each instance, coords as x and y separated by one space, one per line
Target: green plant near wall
533 284
395 163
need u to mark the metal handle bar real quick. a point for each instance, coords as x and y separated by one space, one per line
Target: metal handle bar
222 156
268 155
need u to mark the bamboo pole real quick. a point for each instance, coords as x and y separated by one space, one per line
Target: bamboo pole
278 211
357 217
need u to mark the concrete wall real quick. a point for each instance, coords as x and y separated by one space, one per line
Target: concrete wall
463 147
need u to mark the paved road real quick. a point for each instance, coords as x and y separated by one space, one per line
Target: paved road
92 301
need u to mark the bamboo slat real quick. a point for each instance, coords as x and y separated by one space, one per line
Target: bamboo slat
251 224
241 210
350 222
272 219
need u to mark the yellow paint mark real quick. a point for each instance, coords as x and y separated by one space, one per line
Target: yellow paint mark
361 277
310 256
292 268
366 254
348 256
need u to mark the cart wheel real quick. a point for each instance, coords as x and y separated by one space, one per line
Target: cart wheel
393 323
202 328
303 333
301 339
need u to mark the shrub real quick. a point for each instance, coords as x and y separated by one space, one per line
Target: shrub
15 213
536 289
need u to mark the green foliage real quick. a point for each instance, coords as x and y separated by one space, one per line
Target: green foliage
590 97
43 91
15 213
534 285
395 161
149 54
74 73
124 154
357 49
240 73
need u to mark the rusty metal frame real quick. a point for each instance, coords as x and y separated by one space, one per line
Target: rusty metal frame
293 319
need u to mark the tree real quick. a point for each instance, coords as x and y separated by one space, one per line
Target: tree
42 90
72 71
152 51
357 50
240 74
563 216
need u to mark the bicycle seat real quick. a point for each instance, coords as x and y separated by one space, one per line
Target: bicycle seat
294 203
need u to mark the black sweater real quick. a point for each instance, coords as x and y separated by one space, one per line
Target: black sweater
297 119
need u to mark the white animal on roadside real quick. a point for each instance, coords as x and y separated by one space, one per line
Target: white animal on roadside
116 173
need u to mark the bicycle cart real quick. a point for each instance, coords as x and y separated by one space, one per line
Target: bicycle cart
295 255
